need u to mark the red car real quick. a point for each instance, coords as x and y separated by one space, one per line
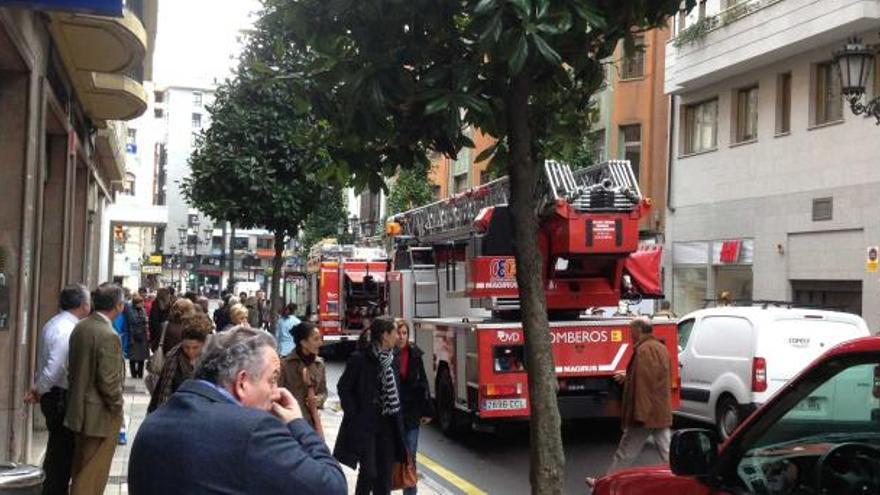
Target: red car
820 434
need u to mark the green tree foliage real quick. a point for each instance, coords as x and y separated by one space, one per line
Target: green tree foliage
410 189
402 78
328 220
260 163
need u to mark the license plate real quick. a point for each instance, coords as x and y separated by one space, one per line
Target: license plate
503 404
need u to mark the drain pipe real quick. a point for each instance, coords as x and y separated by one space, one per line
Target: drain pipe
669 144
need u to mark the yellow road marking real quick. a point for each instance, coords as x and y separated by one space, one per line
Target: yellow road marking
449 476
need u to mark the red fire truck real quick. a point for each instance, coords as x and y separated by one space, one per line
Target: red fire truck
346 289
453 276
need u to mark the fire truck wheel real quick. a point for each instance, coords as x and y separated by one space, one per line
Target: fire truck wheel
446 403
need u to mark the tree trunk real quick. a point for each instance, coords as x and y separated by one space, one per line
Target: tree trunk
223 256
232 258
277 267
547 456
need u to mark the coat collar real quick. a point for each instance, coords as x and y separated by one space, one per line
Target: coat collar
206 390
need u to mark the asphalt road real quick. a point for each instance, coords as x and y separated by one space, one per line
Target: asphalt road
498 463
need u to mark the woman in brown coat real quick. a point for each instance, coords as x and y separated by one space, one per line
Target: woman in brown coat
303 370
181 360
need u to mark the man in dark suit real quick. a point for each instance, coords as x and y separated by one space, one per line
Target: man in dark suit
232 430
96 373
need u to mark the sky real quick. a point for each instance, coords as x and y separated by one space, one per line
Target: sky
197 40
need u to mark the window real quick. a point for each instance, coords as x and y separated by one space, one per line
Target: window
435 191
240 243
834 403
689 287
158 113
128 184
746 115
827 101
265 243
132 135
597 145
159 96
631 145
700 126
682 20
684 333
197 98
459 183
634 61
713 337
197 121
783 103
702 11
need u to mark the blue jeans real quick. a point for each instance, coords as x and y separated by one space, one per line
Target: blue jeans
411 439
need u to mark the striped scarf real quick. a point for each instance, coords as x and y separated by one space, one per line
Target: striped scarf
387 381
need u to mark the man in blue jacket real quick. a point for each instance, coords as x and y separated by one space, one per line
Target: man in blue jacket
232 430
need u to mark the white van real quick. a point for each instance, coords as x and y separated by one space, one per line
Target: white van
733 359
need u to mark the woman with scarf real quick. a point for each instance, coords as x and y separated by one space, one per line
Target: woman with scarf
302 372
180 361
371 434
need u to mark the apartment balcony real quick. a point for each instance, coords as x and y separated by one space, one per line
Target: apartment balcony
755 33
101 54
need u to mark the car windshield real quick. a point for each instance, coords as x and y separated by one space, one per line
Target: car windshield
839 406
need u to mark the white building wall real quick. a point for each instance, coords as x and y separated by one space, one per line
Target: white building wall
762 192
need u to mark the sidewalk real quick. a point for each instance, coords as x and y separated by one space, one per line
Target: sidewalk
136 401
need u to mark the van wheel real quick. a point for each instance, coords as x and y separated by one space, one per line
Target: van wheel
727 416
445 403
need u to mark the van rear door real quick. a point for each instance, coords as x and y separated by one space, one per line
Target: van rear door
788 345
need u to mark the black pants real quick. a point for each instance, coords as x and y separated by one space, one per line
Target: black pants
59 451
137 368
386 440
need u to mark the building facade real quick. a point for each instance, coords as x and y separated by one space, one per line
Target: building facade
773 179
68 79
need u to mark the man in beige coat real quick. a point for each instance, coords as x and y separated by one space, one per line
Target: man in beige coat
96 372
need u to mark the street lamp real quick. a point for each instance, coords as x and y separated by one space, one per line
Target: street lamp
854 62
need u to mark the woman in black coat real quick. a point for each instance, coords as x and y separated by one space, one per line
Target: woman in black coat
371 434
415 397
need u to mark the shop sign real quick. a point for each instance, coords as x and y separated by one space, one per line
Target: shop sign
151 270
155 259
872 259
730 251
97 7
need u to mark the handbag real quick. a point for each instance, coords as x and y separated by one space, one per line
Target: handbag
404 474
155 363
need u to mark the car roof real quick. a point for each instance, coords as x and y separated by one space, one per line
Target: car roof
859 345
760 314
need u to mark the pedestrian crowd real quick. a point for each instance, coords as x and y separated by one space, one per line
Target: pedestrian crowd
236 410
233 390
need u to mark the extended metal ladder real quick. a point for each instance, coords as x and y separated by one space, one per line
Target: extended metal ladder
425 283
608 186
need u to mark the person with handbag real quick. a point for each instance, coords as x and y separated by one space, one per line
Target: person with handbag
415 397
180 362
138 344
371 435
303 373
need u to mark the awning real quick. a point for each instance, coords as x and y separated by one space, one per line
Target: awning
357 276
644 268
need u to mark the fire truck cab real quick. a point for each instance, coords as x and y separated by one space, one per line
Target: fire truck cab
453 277
346 289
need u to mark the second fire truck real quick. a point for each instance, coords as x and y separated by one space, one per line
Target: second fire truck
453 276
346 289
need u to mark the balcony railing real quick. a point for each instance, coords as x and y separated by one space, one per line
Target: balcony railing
731 14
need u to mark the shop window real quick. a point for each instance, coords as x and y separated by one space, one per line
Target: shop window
735 280
689 286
